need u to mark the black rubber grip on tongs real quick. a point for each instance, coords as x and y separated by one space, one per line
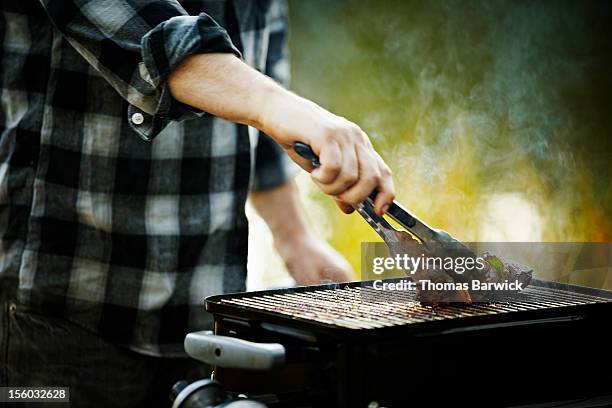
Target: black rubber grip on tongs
305 151
401 216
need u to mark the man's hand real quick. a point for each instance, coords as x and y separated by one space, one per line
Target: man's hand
309 259
223 85
350 167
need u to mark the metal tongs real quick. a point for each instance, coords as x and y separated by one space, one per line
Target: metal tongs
417 228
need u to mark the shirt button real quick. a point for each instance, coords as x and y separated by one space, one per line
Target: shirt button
137 118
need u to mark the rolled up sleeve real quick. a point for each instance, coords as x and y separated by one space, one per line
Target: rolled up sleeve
135 45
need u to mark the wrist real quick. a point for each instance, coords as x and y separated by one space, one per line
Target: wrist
284 115
287 244
289 232
266 99
281 210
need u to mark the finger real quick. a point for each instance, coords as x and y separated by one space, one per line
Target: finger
330 156
344 207
335 274
386 190
349 173
369 176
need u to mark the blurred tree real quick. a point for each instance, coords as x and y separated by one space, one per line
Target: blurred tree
469 102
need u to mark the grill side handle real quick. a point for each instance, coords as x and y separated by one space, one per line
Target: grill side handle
229 352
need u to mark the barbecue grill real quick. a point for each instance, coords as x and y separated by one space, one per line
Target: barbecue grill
350 345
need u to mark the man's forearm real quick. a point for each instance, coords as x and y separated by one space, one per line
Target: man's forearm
225 86
309 259
280 209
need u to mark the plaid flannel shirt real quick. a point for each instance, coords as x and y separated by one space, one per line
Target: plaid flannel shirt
115 211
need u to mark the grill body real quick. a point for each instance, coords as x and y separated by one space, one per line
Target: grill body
349 345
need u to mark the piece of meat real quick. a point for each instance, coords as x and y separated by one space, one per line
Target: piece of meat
499 270
437 296
409 245
458 288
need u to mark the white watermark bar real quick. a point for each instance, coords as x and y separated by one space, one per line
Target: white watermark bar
34 394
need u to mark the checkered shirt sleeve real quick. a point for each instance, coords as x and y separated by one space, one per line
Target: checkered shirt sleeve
134 45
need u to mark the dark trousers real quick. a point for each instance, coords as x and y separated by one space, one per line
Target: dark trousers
40 350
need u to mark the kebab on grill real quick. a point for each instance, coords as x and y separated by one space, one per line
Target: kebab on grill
496 270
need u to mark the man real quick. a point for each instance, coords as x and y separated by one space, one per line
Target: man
125 166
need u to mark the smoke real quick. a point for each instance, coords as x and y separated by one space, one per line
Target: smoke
469 102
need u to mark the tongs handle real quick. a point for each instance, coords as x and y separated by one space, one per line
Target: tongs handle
420 229
307 153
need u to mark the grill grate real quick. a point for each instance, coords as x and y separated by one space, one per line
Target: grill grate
367 308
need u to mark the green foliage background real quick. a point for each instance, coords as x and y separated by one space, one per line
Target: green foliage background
466 100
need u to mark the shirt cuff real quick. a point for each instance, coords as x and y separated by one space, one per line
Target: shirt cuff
163 49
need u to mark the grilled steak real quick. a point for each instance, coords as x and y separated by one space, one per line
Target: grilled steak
444 282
